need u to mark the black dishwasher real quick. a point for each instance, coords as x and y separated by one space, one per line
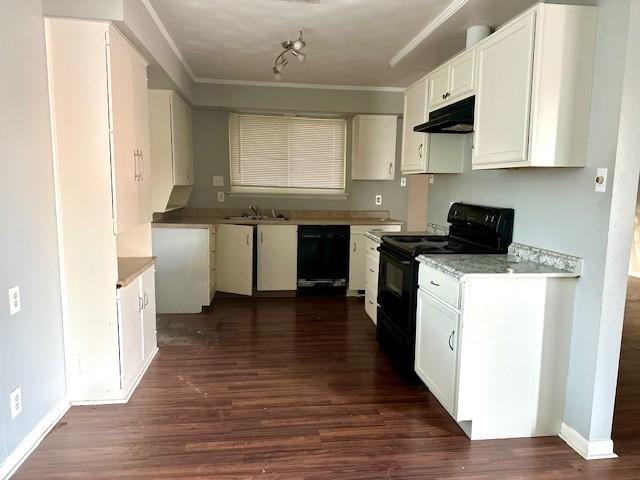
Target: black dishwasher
323 259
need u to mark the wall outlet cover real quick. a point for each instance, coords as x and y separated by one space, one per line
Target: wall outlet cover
14 300
403 181
218 181
378 200
15 402
221 197
432 179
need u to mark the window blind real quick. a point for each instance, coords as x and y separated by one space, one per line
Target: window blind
287 154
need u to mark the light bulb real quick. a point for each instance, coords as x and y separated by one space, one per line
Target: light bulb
300 56
297 45
278 76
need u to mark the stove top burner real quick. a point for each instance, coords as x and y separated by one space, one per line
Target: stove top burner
414 245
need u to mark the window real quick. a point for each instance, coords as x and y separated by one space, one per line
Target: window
278 154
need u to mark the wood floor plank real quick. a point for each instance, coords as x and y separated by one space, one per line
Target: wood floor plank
297 389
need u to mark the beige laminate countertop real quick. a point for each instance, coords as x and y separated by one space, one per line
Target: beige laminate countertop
130 268
203 222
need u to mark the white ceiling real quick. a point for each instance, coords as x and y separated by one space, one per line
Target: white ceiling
349 42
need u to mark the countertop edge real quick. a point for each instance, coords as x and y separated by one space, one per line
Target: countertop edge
131 272
320 221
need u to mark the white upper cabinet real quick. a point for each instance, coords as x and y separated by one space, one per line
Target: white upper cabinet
438 86
414 144
373 147
452 81
277 257
129 132
427 153
534 89
171 150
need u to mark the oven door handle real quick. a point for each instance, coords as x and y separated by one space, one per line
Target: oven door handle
393 257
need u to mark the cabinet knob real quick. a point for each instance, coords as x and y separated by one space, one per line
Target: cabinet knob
420 148
435 284
451 340
372 270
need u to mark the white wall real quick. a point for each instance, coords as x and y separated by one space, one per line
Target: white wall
31 348
559 210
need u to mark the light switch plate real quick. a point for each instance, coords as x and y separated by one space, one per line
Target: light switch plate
14 300
403 181
378 200
601 180
15 401
218 181
221 197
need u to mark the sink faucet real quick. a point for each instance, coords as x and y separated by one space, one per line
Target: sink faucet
255 210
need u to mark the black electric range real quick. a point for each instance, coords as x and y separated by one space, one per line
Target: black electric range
473 229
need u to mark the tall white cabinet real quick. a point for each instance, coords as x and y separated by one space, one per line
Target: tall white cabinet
172 150
98 96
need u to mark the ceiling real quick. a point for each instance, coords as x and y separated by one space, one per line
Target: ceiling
349 42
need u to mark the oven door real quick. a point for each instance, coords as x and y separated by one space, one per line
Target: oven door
396 282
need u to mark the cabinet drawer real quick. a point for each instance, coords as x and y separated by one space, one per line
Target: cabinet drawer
371 304
372 248
440 285
372 272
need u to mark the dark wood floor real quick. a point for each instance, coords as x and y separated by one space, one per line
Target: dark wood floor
297 389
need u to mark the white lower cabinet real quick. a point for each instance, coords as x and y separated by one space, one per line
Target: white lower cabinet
371 305
136 327
277 267
493 349
358 253
436 352
183 268
234 259
149 332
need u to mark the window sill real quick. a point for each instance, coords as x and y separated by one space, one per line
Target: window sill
292 195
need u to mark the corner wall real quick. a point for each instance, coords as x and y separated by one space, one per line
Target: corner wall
31 342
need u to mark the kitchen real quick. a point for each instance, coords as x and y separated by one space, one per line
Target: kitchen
360 283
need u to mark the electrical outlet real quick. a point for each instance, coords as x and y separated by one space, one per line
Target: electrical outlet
432 179
15 401
220 197
403 181
378 200
14 300
218 181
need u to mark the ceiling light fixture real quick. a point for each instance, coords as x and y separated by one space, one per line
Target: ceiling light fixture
293 46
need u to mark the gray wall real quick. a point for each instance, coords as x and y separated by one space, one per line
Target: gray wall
281 97
211 144
559 210
31 349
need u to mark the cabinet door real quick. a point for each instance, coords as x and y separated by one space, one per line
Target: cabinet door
436 348
277 257
462 75
130 330
357 262
182 142
141 97
505 63
234 259
373 154
149 336
124 160
414 145
439 87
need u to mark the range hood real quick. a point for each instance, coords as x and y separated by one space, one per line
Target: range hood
454 118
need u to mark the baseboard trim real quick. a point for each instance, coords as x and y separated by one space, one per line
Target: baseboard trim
126 397
33 439
587 449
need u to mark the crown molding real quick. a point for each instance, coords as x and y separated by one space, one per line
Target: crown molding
447 13
167 37
319 86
